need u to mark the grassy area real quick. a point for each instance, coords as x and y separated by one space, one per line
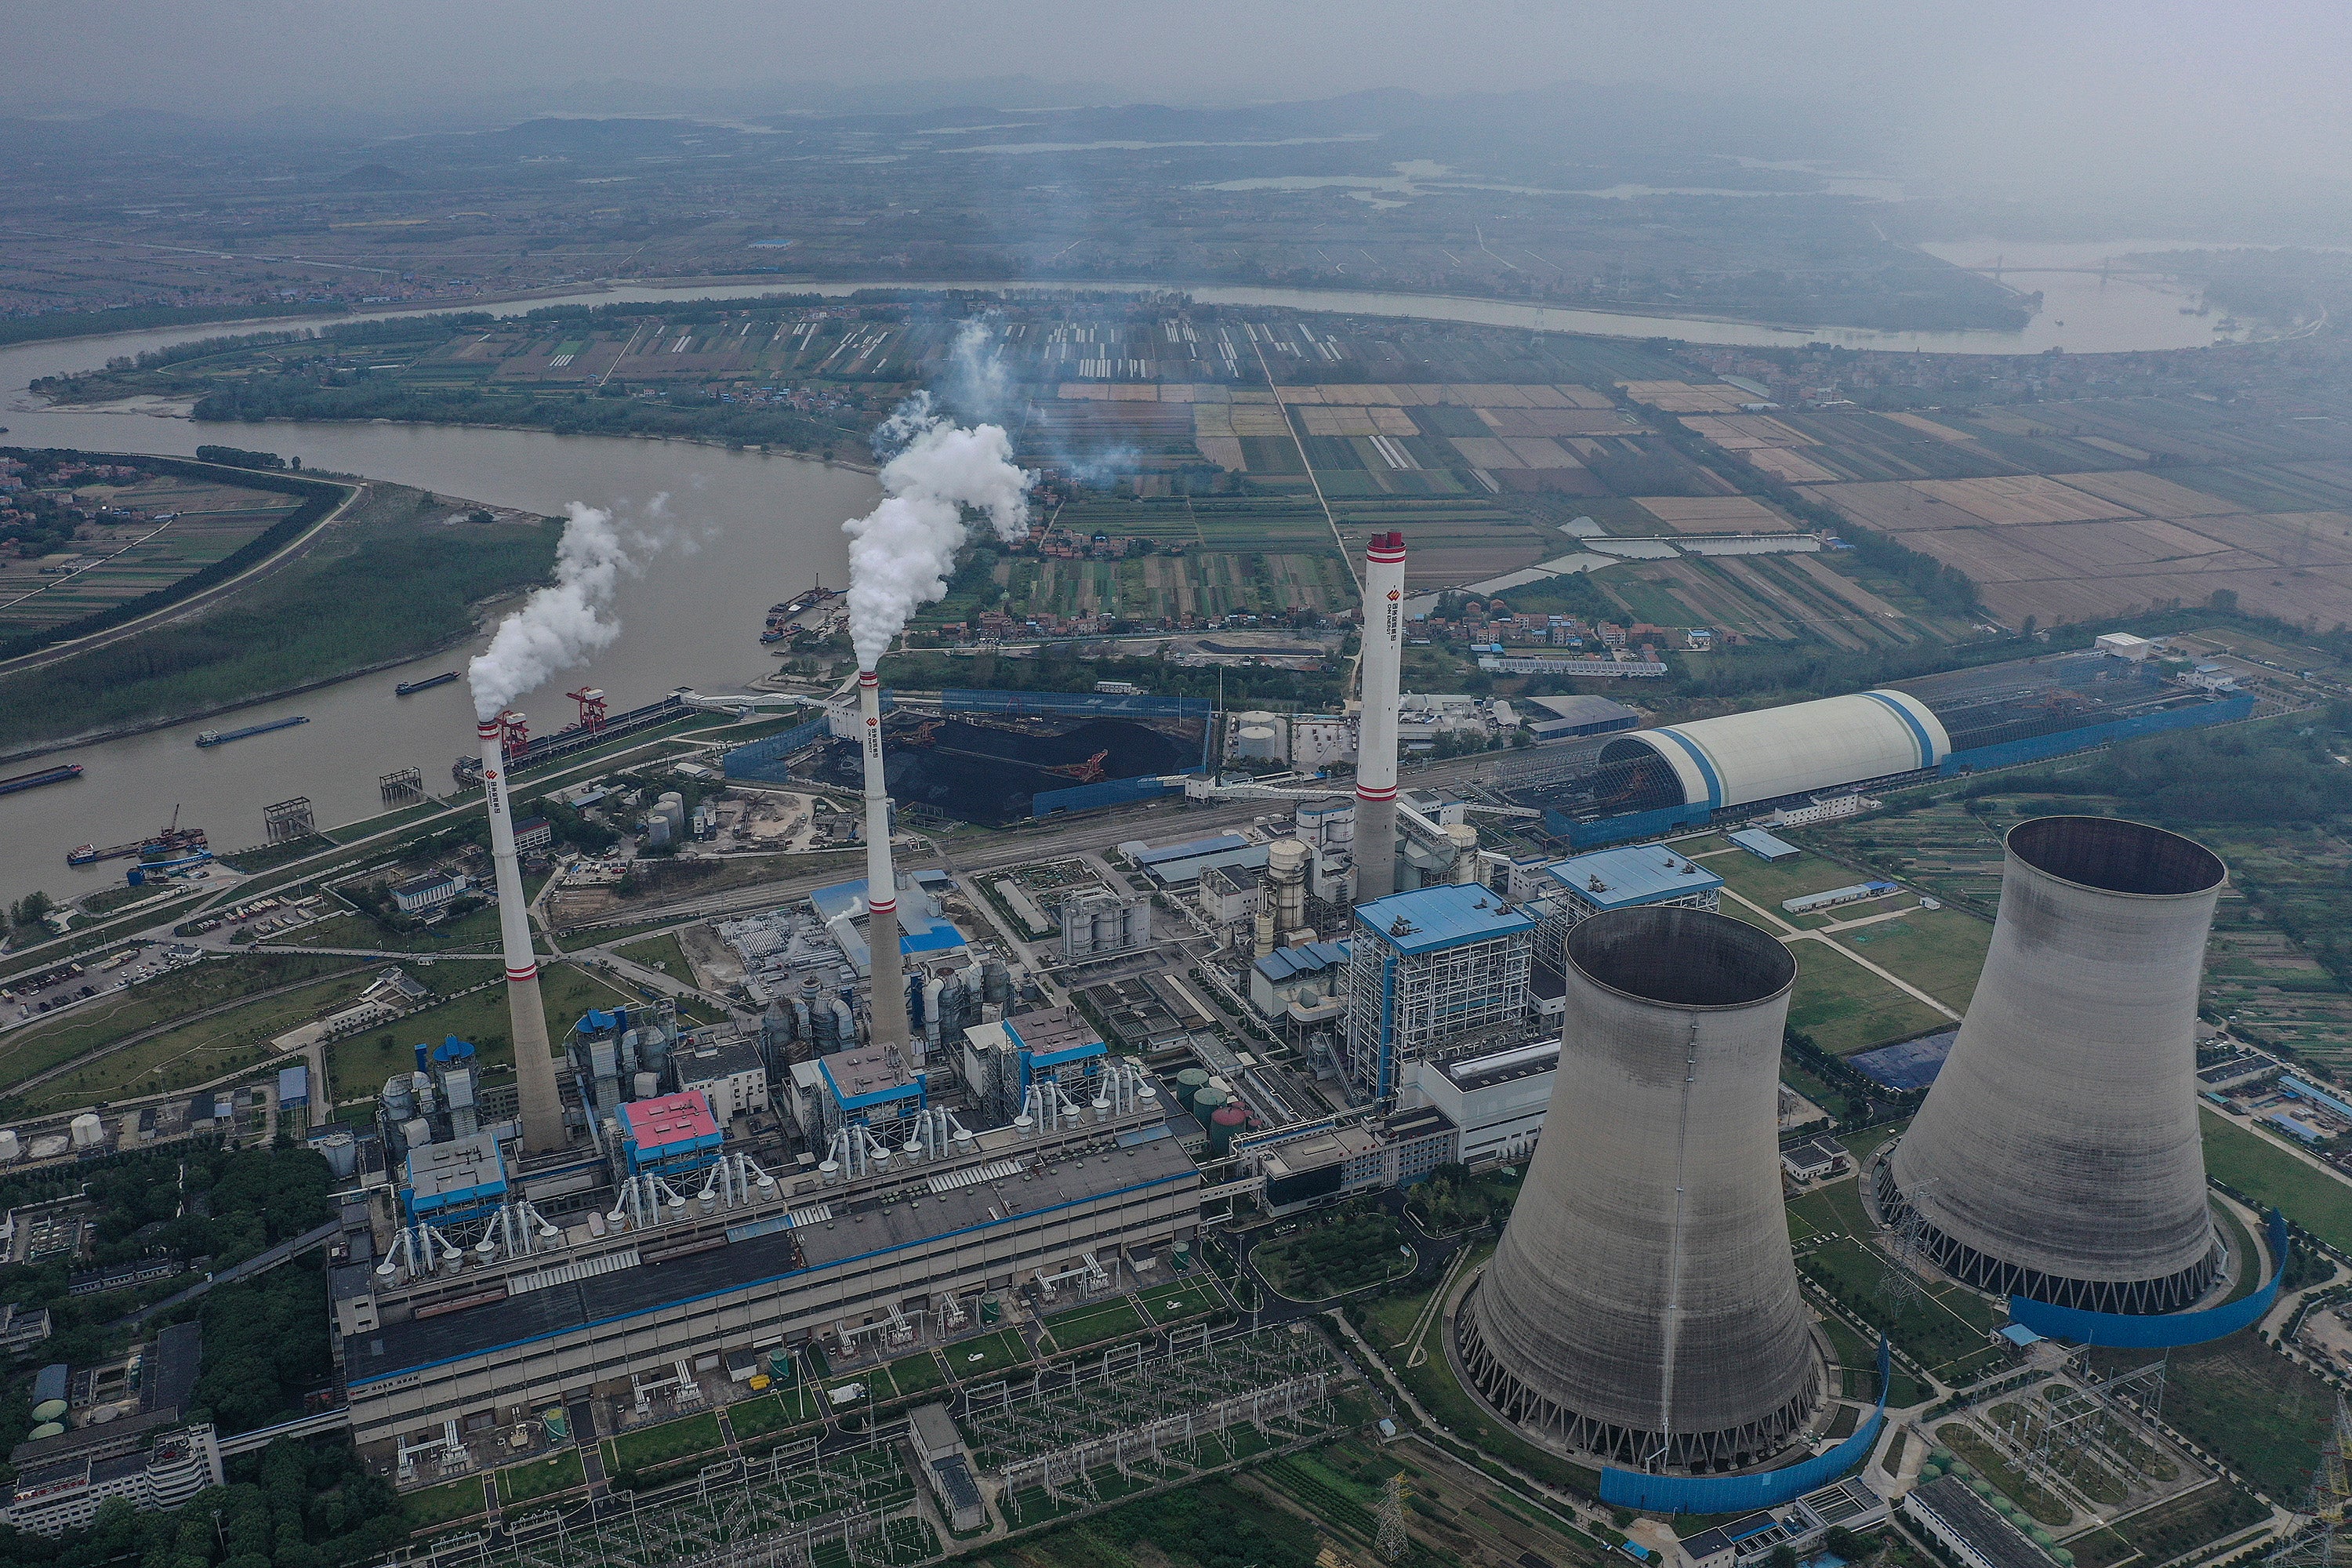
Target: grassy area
325 613
662 952
777 1410
2241 1399
456 1499
987 1354
194 1052
914 1373
39 1046
1832 1210
2265 1172
2044 1505
650 1446
1944 1327
1092 1325
1846 1008
567 991
476 931
1940 950
1768 882
1185 1302
559 1472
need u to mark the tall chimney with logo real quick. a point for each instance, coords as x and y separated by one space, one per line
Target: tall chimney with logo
542 1104
881 878
1376 729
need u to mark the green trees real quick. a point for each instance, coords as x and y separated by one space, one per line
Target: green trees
288 1507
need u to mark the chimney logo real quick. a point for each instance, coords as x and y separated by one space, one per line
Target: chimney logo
1394 594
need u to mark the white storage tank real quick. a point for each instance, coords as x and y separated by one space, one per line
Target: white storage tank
86 1131
12 1148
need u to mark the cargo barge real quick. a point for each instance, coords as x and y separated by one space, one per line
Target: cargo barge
174 842
35 779
410 687
223 737
801 611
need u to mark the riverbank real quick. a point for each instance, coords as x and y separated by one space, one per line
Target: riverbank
405 573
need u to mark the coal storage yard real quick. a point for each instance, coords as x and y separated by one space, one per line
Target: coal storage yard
991 772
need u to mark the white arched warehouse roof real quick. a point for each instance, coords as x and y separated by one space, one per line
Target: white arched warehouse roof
1742 758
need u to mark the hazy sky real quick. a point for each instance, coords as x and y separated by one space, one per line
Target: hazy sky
2218 91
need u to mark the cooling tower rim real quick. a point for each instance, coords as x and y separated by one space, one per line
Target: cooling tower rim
2044 844
1635 933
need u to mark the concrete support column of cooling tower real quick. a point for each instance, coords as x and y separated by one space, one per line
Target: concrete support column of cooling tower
2058 1155
1376 728
1643 1303
881 878
542 1102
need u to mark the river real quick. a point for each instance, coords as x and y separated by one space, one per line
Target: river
761 526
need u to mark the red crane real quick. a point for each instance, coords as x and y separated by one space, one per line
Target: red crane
592 706
517 735
1089 771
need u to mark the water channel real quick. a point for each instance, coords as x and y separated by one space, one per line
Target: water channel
757 528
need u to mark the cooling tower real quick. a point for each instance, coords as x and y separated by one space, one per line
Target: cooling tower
889 996
2057 1156
1643 1304
1376 728
542 1103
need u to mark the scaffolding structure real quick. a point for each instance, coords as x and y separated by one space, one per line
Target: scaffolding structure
1152 1418
402 786
287 821
1403 1006
2322 1545
792 1508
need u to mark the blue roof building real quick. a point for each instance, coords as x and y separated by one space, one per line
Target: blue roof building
1632 877
1438 966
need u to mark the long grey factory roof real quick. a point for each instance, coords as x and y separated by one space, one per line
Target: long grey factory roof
396 1349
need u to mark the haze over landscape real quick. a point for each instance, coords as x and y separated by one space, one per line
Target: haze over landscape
1208 787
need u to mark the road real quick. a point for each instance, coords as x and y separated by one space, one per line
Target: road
202 599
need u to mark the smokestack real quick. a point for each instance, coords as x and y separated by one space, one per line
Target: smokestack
881 879
1376 728
1643 1303
542 1106
2058 1155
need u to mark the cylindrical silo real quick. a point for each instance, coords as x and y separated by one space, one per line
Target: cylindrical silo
1226 1124
87 1131
1286 870
1643 1303
1189 1083
1207 1101
2057 1156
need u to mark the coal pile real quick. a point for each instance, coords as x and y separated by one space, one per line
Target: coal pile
990 773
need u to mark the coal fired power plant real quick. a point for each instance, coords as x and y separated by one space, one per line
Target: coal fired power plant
2057 1156
1643 1304
542 1103
1376 730
889 996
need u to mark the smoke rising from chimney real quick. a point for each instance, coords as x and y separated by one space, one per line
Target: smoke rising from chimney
900 552
564 623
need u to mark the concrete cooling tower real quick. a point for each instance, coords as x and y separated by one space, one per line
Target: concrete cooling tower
1643 1304
2057 1156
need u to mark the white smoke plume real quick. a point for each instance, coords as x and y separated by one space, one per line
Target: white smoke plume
564 623
976 380
900 552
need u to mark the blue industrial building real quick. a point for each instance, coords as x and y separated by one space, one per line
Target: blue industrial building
1431 968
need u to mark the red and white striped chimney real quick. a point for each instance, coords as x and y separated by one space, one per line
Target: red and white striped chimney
889 996
542 1104
1376 725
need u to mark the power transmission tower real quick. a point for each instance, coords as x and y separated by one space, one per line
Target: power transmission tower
1899 1283
1392 1544
2330 1492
